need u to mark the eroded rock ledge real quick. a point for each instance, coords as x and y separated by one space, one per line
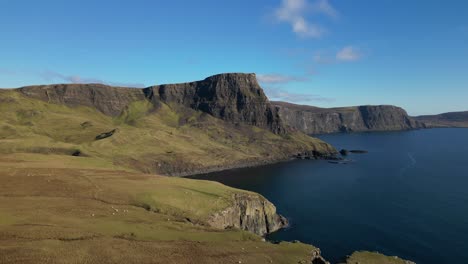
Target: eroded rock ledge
250 212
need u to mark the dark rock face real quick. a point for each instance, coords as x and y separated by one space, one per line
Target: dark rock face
249 212
233 97
314 120
317 155
109 100
453 119
344 152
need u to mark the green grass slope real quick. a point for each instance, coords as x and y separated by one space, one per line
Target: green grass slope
365 257
52 214
169 139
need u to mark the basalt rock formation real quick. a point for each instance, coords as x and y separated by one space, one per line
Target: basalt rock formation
315 120
107 99
233 97
453 119
249 212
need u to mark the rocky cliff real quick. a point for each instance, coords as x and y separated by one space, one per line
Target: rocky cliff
249 212
453 119
233 97
107 99
314 120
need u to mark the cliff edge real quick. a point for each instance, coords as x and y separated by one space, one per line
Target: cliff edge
315 120
224 121
233 97
452 119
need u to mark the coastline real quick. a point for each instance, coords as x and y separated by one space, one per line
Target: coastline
256 163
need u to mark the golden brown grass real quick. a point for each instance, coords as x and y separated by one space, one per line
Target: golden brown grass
365 257
52 214
168 140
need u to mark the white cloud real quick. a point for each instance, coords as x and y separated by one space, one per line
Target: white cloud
278 78
275 93
52 76
348 53
324 7
294 11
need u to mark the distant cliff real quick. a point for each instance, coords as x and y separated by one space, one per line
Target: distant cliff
233 97
453 119
315 120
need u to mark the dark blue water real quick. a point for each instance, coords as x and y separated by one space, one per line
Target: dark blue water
408 196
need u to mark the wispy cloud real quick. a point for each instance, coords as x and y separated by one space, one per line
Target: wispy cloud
294 12
324 7
322 58
345 54
53 76
275 93
348 53
278 78
56 76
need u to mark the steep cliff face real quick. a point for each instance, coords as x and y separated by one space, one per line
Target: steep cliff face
107 99
453 119
314 120
249 212
234 97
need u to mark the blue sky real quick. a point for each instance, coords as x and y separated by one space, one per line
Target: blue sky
319 52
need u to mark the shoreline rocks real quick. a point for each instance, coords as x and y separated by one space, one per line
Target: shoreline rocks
316 155
357 151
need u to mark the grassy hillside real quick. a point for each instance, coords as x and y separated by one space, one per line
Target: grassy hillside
169 139
52 214
365 257
75 185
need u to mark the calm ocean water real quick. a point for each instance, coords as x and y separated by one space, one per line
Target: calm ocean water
408 196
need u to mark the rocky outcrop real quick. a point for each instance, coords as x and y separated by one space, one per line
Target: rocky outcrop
317 258
318 155
249 212
314 120
453 119
233 97
107 99
106 134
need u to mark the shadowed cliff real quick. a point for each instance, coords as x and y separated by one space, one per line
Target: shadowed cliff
453 119
315 120
233 97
